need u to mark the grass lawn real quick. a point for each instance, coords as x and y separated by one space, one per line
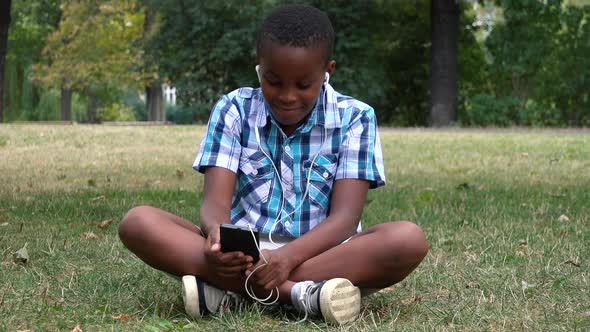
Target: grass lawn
507 217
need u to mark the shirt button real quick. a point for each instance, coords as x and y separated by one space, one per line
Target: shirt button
287 148
254 172
325 175
287 224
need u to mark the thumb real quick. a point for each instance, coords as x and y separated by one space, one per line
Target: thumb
215 247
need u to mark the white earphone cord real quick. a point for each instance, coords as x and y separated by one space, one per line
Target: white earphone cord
248 288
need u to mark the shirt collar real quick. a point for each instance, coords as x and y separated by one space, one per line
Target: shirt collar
329 119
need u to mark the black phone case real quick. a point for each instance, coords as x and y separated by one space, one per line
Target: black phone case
236 238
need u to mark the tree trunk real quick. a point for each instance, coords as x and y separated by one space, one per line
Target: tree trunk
91 108
444 29
4 25
153 92
66 104
155 102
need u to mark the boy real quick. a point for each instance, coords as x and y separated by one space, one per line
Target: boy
293 158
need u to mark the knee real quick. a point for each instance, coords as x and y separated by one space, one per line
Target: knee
132 224
408 241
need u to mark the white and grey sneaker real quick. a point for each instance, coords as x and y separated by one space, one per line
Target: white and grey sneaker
337 300
202 299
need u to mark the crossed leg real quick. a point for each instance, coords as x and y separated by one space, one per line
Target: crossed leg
378 257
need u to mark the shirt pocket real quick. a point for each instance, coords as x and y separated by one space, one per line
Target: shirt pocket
255 176
321 179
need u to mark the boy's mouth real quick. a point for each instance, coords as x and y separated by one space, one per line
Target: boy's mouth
287 109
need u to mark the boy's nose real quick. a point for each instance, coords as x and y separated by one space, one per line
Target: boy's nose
287 96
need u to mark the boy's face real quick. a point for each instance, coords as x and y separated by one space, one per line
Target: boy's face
291 80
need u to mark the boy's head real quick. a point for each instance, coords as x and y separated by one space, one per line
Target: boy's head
297 26
294 50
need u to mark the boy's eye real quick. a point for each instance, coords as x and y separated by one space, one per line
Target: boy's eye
273 82
304 86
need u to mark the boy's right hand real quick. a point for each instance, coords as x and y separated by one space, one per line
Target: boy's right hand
228 265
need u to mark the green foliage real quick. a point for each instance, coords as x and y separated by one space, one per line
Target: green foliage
92 45
48 107
31 22
486 110
91 51
131 98
381 51
181 114
528 57
539 54
206 48
115 112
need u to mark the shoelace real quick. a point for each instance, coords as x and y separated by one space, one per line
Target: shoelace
230 300
305 299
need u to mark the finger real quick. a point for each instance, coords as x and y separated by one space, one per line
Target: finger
236 257
214 236
256 268
230 269
270 285
263 277
232 275
266 278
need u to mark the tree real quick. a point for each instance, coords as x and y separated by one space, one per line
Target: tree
31 22
538 58
4 25
444 25
205 48
92 50
153 89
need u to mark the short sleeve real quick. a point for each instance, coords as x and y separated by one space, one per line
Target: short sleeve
360 155
220 146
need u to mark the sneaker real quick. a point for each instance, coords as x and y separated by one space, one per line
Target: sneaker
202 299
337 300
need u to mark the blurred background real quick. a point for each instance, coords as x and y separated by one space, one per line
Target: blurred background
418 63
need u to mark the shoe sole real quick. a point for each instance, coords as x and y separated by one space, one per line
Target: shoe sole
340 301
190 296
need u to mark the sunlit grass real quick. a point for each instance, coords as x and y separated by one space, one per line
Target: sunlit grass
490 204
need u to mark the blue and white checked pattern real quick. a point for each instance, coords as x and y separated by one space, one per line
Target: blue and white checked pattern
352 150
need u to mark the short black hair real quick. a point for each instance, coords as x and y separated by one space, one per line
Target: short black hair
297 26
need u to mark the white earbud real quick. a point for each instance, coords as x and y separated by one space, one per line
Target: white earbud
327 78
258 73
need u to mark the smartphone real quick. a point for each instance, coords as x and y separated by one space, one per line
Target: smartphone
237 238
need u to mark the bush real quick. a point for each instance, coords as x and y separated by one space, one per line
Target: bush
539 115
48 108
486 110
115 112
133 100
183 114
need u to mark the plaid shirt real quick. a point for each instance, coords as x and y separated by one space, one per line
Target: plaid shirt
352 150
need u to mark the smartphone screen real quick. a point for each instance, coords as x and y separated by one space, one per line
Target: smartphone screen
236 238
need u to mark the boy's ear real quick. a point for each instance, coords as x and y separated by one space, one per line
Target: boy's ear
330 67
257 68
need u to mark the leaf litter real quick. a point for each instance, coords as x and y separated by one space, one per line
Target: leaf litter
122 317
105 224
89 235
526 286
21 256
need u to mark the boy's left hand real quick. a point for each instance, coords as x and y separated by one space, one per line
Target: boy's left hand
275 272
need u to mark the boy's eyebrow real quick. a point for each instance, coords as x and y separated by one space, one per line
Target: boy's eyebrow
274 75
